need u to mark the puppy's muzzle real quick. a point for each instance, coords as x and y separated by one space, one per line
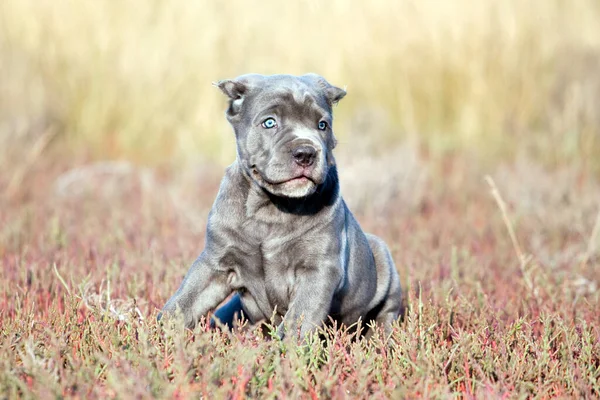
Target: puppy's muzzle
304 155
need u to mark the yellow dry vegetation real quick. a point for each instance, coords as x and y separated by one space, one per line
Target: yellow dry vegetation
132 79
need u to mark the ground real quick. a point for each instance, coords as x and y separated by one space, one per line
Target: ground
469 141
90 254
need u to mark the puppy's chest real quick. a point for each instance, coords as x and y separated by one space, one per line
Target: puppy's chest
273 257
276 248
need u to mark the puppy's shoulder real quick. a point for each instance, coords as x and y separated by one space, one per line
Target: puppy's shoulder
230 200
233 185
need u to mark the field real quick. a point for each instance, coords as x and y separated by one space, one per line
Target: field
469 140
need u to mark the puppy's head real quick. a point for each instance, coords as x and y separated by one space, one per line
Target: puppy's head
283 126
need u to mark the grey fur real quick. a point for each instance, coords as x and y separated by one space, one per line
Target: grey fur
279 233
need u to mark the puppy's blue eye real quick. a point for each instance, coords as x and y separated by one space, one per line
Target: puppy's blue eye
269 123
322 125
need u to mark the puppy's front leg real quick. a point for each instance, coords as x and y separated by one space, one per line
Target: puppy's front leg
202 289
312 300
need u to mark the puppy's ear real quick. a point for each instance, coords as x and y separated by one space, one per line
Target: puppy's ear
333 94
235 90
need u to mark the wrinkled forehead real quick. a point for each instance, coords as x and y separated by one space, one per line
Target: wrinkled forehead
292 98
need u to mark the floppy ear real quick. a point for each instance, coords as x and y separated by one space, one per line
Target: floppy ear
235 90
333 94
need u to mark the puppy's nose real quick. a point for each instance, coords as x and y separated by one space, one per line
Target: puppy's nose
304 155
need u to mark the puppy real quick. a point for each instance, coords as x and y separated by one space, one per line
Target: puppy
279 234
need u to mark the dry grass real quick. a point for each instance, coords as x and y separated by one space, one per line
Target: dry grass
93 254
112 143
132 79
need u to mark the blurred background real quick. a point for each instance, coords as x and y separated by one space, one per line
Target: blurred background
131 80
111 104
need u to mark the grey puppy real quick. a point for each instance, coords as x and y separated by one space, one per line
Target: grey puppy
279 234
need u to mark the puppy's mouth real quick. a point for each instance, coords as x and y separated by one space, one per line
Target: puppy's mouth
301 180
297 180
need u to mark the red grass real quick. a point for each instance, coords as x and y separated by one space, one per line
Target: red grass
476 325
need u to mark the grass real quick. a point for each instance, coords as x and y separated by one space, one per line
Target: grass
113 142
86 267
133 80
